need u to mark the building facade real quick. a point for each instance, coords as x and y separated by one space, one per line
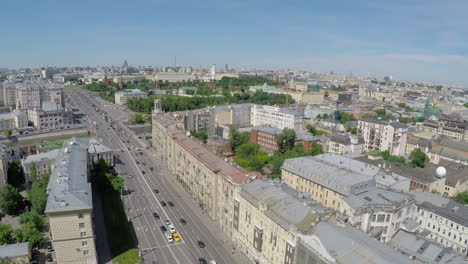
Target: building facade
50 116
383 136
274 117
347 143
121 98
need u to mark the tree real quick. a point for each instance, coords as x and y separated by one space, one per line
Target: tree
138 118
28 233
246 150
418 158
315 149
286 139
6 234
38 194
11 202
15 174
236 138
201 135
7 132
314 131
462 197
352 130
33 218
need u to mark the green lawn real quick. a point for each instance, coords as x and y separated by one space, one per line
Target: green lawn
54 144
130 256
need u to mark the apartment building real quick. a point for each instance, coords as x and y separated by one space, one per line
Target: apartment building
274 117
452 126
9 93
28 95
50 116
383 136
43 163
4 159
268 218
206 177
442 220
233 115
16 119
345 143
379 212
201 120
69 207
121 98
328 177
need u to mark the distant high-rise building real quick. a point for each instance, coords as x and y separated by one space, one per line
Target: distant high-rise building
226 68
213 72
125 64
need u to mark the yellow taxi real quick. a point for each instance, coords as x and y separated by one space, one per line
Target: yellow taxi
176 237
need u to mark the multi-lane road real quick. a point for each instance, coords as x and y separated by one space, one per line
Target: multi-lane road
143 174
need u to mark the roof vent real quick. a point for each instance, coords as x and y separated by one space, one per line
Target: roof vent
63 203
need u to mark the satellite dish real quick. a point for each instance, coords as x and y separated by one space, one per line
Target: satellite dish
441 172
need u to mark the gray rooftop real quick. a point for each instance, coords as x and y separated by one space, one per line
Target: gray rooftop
285 207
378 197
442 206
336 172
68 188
346 138
14 250
348 245
381 122
49 155
425 250
50 107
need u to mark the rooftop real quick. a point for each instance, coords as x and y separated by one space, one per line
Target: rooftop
285 207
333 171
425 250
442 206
68 188
49 155
346 245
14 250
377 197
381 122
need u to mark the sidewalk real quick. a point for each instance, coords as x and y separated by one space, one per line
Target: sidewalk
209 224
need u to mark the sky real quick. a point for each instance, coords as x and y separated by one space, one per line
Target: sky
411 40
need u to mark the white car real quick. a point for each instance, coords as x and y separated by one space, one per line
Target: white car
171 228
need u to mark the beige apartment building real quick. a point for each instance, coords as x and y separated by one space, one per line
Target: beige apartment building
328 177
383 136
69 208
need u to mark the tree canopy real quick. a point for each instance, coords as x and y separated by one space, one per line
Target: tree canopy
286 140
11 202
237 138
418 158
15 174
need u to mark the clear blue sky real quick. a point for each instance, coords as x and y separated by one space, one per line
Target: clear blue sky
409 39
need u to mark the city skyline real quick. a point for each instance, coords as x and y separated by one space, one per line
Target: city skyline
416 41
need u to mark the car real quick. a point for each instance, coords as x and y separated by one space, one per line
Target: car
151 168
182 221
201 244
163 228
144 164
49 257
156 191
167 222
137 162
156 215
170 204
162 203
143 172
176 237
171 228
50 248
202 261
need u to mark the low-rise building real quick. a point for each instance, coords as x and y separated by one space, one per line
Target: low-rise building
442 220
121 98
18 253
379 212
345 143
172 77
43 163
451 126
233 115
50 116
69 207
384 136
16 119
328 177
274 117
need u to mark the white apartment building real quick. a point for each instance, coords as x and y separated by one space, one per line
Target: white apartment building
16 119
274 117
442 220
379 212
43 162
347 143
70 208
383 136
28 95
9 93
50 116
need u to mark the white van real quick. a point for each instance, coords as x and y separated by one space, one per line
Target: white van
169 236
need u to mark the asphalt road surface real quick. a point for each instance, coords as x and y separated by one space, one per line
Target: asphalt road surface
142 175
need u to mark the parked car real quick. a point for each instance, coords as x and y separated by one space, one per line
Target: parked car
163 203
202 261
156 190
49 257
170 204
156 215
201 244
50 248
163 228
182 221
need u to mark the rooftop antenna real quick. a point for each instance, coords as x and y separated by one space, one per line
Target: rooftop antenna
175 61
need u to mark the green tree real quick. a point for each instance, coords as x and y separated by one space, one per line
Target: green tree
6 234
246 150
352 130
315 149
461 197
7 132
201 135
15 174
314 131
286 140
28 233
11 202
38 194
138 118
236 138
33 218
116 181
418 158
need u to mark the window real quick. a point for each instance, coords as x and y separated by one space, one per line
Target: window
84 243
80 215
83 234
81 225
85 252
